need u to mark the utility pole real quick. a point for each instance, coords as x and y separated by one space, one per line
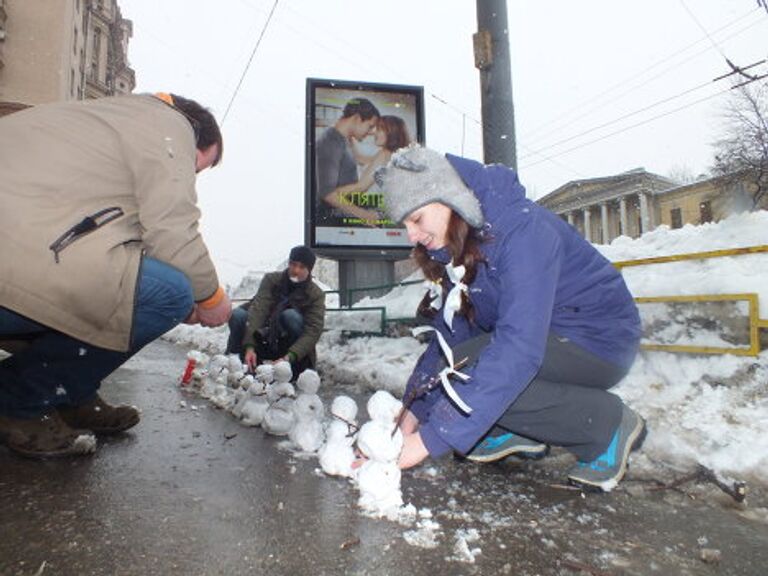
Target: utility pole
491 46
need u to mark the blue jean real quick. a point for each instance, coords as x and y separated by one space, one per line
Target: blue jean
59 370
290 323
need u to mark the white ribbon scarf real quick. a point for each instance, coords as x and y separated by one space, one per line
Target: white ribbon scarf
453 300
448 370
435 294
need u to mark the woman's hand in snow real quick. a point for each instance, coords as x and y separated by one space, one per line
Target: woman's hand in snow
414 452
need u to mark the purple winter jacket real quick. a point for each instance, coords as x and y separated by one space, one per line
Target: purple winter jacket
540 276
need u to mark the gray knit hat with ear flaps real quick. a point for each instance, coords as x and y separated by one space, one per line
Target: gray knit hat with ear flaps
417 176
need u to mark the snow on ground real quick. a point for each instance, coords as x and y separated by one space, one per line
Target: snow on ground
707 409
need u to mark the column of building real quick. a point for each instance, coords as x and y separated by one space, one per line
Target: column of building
645 213
587 224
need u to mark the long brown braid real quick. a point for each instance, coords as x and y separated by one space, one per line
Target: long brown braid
463 245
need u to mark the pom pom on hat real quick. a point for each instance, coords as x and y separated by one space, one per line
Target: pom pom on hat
417 176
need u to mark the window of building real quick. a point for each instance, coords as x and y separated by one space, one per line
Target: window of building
74 43
705 211
96 53
72 81
676 215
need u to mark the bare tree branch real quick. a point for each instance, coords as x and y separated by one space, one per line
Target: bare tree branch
741 152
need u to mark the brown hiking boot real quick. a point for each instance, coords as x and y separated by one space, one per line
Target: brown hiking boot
100 417
46 436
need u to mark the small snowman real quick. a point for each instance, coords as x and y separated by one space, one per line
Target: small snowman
241 396
380 441
337 454
307 432
236 371
255 397
265 373
218 364
256 405
200 372
217 376
223 397
279 417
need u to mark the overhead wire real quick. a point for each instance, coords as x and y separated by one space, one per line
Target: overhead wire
703 29
632 126
597 102
646 108
464 116
248 64
625 116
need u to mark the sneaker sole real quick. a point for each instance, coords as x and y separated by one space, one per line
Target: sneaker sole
528 453
636 437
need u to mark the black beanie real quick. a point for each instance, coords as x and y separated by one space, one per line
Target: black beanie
304 255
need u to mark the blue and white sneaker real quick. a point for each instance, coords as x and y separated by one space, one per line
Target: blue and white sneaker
500 443
605 472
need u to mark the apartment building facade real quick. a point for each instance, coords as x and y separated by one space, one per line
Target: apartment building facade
53 50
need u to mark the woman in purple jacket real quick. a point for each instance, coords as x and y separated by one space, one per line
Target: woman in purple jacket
531 324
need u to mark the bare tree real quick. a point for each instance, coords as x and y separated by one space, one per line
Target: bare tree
681 173
741 152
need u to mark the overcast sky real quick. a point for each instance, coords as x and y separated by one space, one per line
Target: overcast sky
600 87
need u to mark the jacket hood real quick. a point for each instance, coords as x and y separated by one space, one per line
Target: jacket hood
496 186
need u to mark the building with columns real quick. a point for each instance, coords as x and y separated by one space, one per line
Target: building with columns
53 50
635 202
605 208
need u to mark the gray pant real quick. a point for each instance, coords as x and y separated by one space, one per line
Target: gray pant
567 403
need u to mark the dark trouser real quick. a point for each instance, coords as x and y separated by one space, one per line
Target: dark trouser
237 330
58 370
290 327
567 403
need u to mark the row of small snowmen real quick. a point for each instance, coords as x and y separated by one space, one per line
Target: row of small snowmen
268 399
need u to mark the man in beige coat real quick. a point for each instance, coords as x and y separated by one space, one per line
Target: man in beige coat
100 254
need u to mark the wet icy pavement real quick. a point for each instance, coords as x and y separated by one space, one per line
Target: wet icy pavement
190 491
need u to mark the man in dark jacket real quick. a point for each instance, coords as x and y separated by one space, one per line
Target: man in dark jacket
284 320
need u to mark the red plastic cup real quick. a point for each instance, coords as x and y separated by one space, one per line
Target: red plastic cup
187 377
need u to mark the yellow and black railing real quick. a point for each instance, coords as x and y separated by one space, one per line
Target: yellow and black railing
755 322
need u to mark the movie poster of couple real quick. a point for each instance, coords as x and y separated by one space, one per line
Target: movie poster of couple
354 128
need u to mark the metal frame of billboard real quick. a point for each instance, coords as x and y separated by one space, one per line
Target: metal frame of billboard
382 95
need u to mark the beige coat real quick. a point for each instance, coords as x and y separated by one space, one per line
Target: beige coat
62 162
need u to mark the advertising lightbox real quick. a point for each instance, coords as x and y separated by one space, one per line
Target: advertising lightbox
352 130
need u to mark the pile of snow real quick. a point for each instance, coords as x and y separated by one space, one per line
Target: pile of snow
401 301
707 409
726 275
